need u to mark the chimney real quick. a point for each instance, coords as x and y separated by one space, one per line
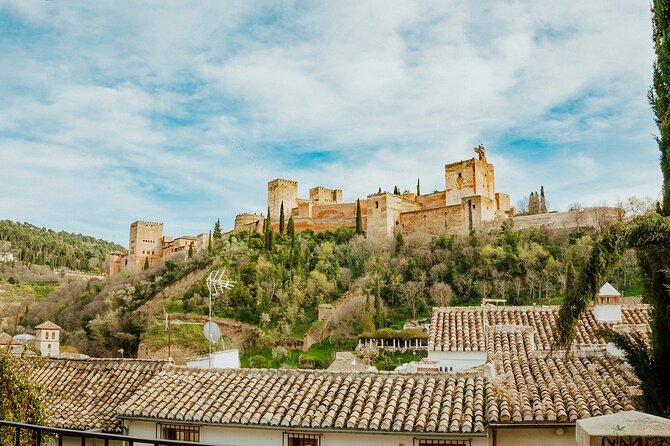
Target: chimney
608 305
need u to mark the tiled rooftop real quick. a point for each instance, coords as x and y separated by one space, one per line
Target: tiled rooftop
462 328
390 402
84 394
532 386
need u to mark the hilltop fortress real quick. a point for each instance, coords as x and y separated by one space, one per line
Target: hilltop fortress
148 245
468 202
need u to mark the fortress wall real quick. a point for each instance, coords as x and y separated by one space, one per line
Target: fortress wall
383 211
447 219
434 200
334 211
245 222
503 202
588 219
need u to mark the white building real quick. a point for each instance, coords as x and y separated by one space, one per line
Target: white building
47 339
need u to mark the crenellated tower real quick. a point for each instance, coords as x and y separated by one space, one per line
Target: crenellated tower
282 190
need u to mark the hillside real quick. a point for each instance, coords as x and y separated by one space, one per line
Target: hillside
281 281
42 246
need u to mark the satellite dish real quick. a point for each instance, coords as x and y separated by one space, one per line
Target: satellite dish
212 332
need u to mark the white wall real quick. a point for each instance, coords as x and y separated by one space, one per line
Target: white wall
607 312
544 436
227 359
235 436
457 360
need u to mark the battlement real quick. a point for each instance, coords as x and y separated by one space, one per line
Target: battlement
278 181
143 222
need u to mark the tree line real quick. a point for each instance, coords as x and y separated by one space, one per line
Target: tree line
41 246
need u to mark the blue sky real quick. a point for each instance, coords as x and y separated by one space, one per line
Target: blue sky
181 112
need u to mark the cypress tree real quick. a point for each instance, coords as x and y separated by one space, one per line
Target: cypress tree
659 93
291 229
217 229
209 242
359 217
269 233
146 263
396 191
379 191
190 251
418 187
281 218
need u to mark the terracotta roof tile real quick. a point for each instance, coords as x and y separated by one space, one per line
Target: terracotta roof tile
462 328
534 386
391 402
84 394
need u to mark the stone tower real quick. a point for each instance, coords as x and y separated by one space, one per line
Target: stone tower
47 339
282 190
469 178
146 243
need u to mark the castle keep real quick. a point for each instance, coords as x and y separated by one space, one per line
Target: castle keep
468 201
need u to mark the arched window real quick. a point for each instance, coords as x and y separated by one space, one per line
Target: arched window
53 335
377 204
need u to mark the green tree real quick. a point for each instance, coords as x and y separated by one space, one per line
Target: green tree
418 187
269 236
217 230
209 242
190 251
291 230
659 93
146 263
396 191
359 218
380 319
281 218
22 401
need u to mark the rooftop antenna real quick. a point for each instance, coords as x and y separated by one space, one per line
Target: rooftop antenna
216 283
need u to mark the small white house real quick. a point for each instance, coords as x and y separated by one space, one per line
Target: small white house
47 339
225 359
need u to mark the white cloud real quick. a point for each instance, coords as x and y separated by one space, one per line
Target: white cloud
182 113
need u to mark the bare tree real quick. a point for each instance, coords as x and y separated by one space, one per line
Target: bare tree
414 295
441 293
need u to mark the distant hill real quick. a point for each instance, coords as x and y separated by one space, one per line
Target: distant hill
42 246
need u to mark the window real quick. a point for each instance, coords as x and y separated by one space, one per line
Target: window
377 204
436 442
179 432
53 335
301 439
49 346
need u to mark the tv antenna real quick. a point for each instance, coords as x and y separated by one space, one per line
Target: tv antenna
216 283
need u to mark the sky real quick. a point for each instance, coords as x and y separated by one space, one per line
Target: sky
181 112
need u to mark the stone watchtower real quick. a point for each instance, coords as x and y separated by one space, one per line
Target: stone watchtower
280 190
47 339
146 243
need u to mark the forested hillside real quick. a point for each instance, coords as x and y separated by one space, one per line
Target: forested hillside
282 278
42 246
